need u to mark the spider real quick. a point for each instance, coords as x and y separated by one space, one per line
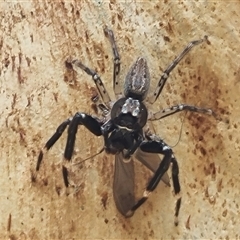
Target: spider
122 126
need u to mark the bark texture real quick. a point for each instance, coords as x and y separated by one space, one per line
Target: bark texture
37 94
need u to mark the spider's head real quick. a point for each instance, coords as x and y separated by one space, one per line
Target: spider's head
129 113
137 81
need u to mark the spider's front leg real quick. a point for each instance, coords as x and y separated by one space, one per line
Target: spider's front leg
91 123
159 146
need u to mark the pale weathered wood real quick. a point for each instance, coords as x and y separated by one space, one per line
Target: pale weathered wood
36 95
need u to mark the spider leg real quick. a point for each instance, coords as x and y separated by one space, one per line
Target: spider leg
178 108
52 141
91 123
151 161
97 80
159 146
168 70
116 60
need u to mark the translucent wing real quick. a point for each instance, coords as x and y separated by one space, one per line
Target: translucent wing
123 184
151 161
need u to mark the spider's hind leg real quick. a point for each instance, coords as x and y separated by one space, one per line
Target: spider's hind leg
171 66
96 78
116 61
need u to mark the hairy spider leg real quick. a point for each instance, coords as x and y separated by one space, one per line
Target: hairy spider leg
91 123
159 146
116 60
168 70
59 131
178 108
96 78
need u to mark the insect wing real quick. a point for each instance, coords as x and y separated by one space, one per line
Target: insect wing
123 184
151 161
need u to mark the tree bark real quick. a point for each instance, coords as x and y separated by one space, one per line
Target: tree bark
38 93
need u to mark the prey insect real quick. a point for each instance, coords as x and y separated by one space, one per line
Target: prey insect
123 128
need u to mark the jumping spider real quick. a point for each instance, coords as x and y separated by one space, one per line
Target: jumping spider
122 127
